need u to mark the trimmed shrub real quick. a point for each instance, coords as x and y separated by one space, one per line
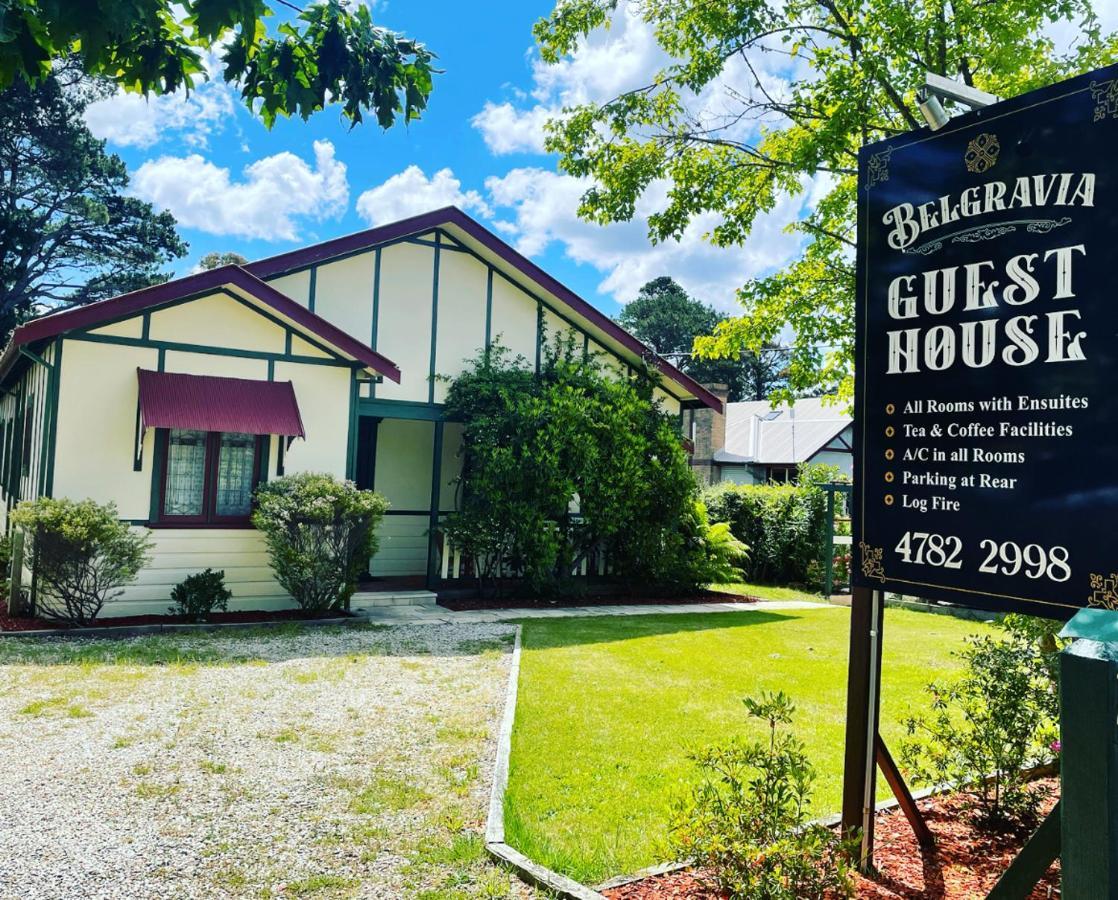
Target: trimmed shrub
746 822
784 526
82 554
198 595
320 533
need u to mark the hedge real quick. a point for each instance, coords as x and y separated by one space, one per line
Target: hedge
784 526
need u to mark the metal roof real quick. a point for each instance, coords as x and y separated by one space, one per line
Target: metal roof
216 403
756 432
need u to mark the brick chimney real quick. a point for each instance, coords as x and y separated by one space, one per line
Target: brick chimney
707 429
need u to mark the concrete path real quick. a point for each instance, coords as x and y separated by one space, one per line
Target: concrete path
395 615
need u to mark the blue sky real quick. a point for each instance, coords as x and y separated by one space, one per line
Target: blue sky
234 185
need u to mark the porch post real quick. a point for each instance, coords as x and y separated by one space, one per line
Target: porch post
432 528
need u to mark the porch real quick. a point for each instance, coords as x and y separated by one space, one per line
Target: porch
407 452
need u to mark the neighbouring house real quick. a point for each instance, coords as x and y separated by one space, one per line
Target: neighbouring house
754 443
175 401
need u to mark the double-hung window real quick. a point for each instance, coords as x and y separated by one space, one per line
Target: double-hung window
209 477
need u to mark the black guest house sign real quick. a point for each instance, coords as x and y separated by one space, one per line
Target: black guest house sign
986 405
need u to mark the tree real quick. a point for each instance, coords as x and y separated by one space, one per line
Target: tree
564 463
68 232
331 52
757 98
217 259
664 316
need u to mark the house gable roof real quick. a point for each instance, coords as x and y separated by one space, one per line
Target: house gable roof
759 434
233 278
477 237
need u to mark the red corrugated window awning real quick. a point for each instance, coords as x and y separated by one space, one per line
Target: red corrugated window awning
213 403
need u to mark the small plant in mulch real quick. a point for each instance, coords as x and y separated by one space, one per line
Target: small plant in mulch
197 596
746 825
988 726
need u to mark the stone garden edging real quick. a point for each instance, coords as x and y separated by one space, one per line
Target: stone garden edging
495 845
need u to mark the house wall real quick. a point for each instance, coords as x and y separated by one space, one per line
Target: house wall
845 461
430 306
96 432
739 475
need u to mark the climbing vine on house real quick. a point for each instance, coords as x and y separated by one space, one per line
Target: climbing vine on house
561 463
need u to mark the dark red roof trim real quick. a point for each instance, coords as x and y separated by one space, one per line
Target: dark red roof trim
451 215
217 403
149 298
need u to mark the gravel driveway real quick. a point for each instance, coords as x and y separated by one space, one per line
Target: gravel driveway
348 762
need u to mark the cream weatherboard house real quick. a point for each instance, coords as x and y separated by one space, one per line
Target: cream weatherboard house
175 401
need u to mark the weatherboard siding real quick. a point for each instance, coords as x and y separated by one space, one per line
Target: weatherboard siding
402 547
176 553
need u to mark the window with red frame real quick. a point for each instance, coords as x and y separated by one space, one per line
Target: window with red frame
209 477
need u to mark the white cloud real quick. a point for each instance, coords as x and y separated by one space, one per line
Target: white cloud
626 56
541 206
265 203
534 209
507 129
132 120
1108 13
411 192
604 65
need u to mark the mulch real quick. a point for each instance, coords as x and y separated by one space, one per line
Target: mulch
461 604
965 863
249 616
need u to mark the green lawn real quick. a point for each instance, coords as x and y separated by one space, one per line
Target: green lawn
608 708
767 591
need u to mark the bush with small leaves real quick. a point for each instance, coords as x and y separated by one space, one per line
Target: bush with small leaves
320 533
82 555
989 725
746 823
198 595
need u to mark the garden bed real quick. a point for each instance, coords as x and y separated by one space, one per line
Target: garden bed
239 617
965 863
